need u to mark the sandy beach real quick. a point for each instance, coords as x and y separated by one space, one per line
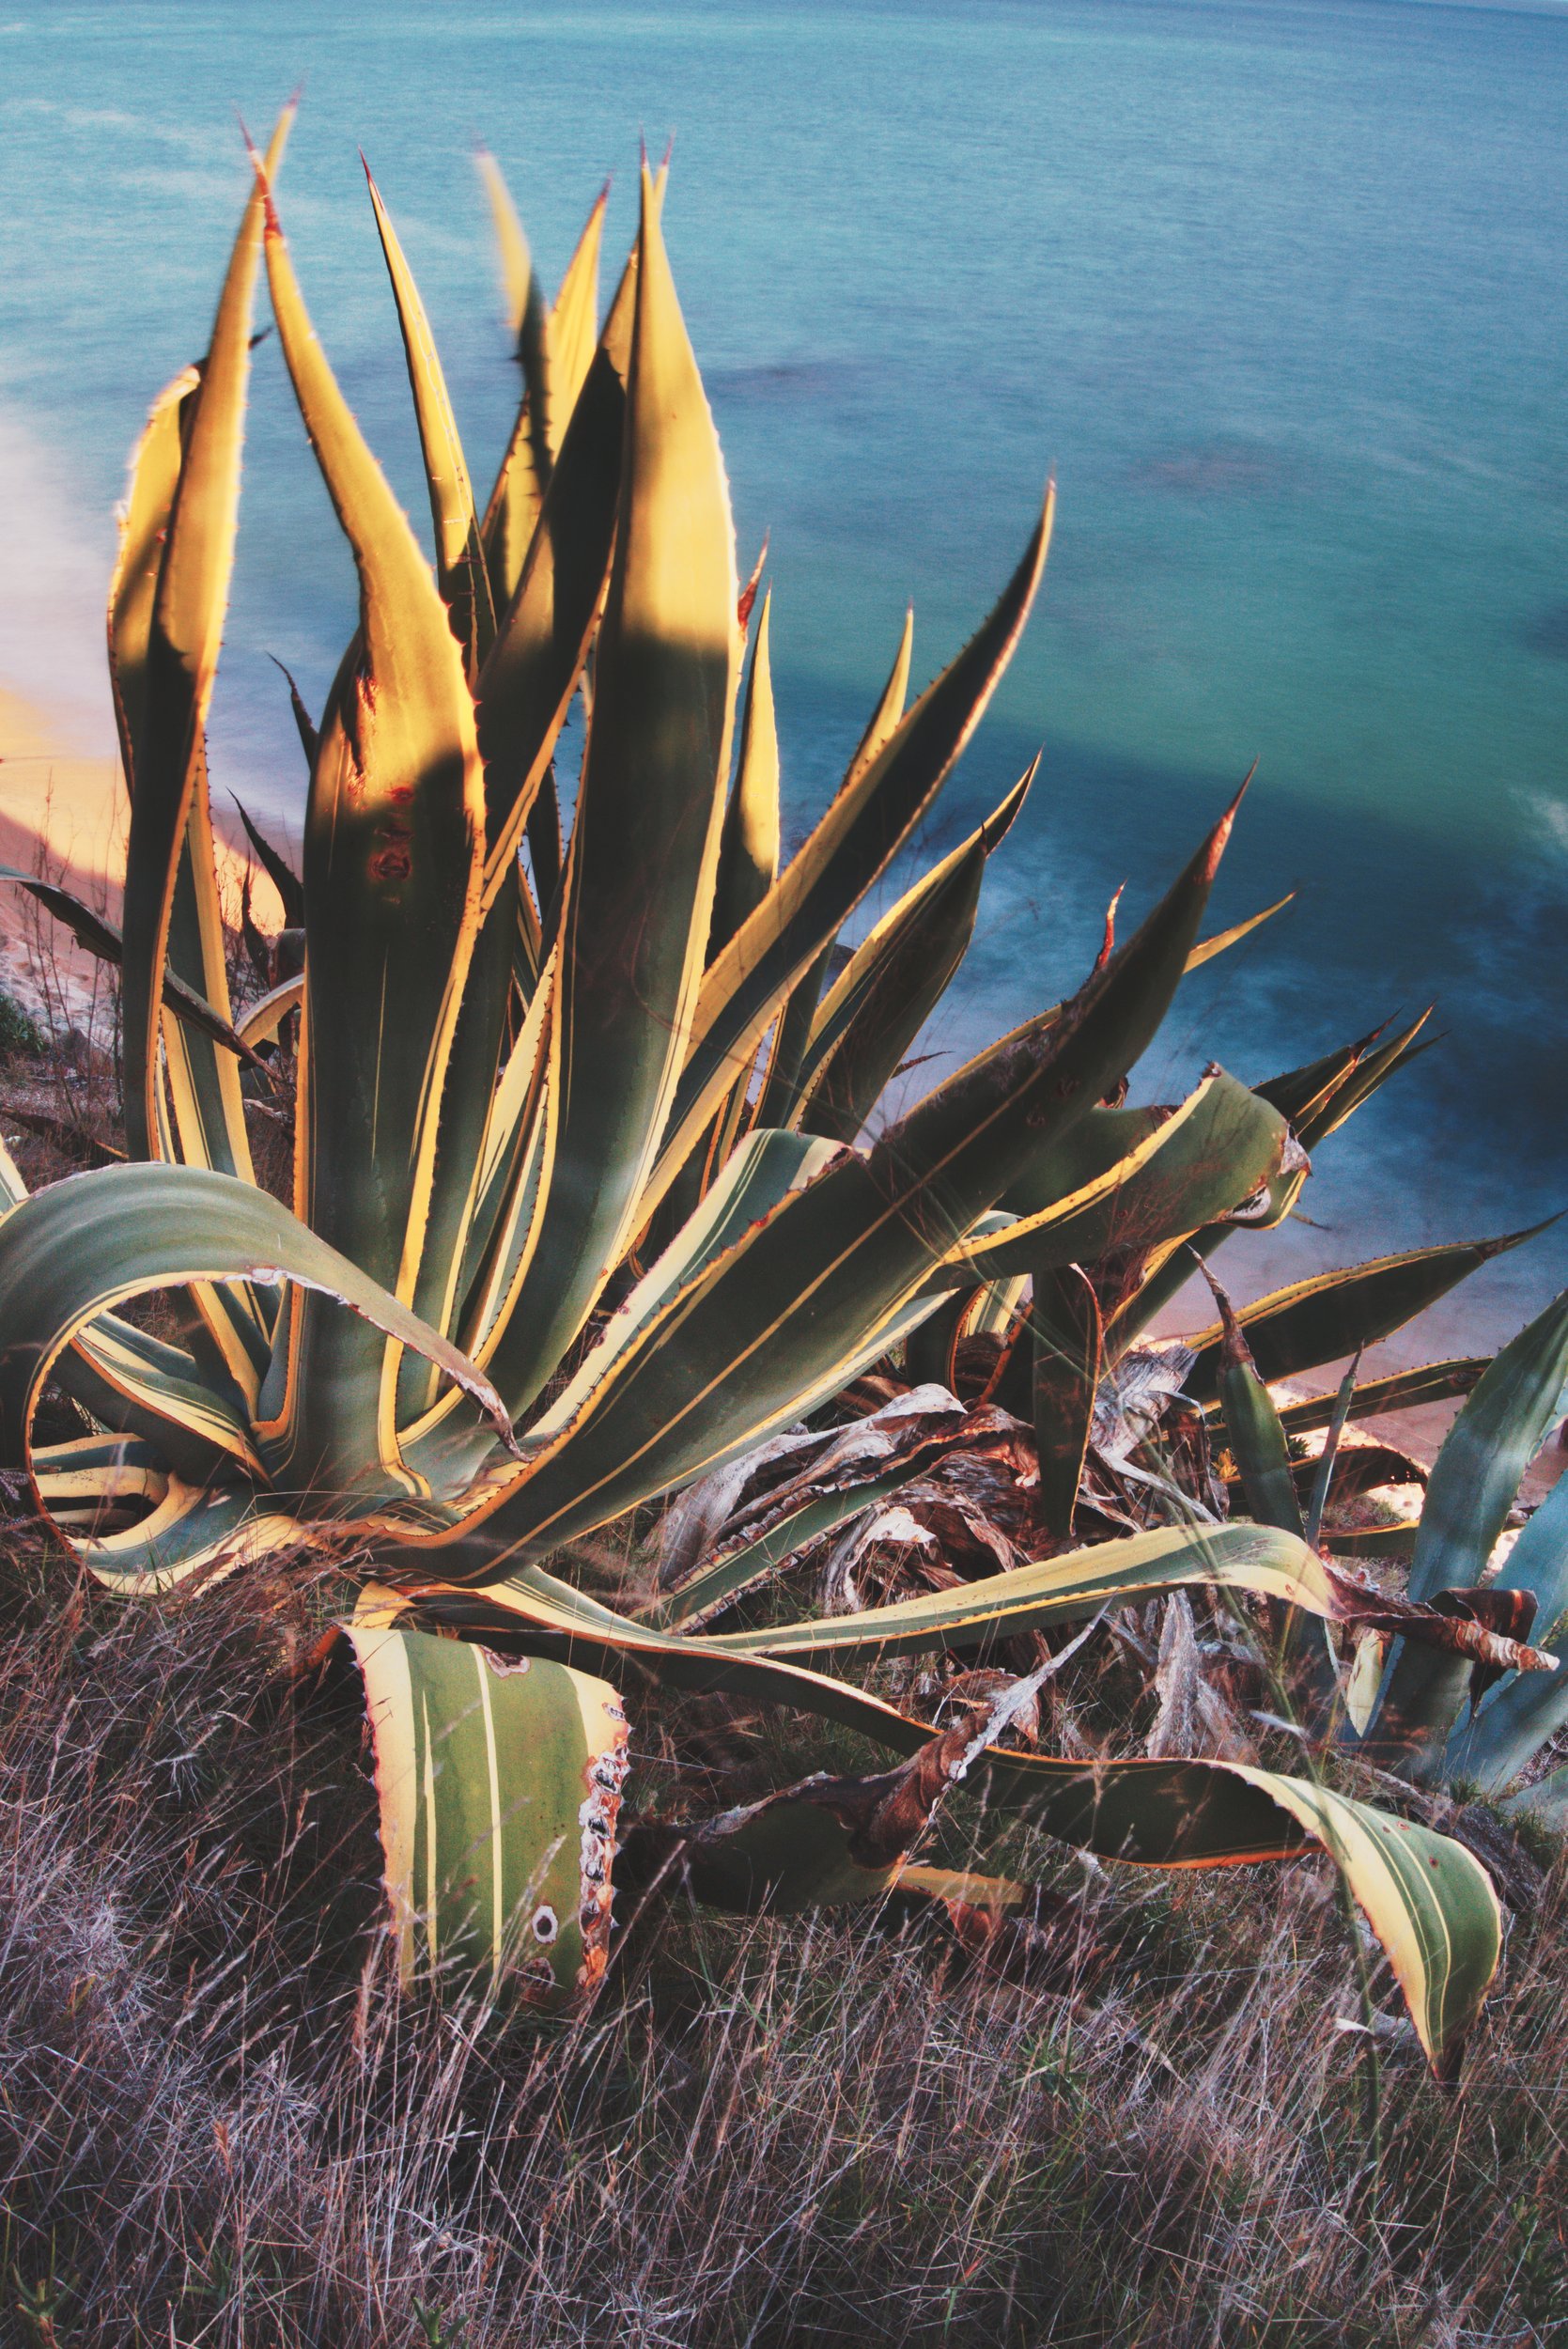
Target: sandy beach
64 813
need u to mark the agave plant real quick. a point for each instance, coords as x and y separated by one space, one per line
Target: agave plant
1449 1709
582 1208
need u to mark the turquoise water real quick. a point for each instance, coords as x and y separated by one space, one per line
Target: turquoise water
1278 291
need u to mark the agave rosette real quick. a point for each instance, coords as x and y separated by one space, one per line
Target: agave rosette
581 1210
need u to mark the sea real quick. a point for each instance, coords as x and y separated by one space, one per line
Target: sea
1277 293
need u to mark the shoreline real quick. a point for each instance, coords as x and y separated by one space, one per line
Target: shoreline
64 813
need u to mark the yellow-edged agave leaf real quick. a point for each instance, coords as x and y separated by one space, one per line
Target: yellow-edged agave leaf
460 572
749 850
893 981
1306 1096
514 502
136 1383
885 719
1331 1315
574 324
1213 1153
167 663
526 687
143 522
393 856
499 1782
1399 1390
1428 1900
872 816
639 882
793 1028
1223 940
1472 1486
78 1248
554 349
261 1022
792 1305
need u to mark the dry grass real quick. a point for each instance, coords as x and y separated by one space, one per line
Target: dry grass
218 2126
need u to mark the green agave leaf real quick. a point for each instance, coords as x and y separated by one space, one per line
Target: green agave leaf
1333 1313
304 726
649 805
1485 1454
893 982
1429 1902
277 868
514 502
749 849
1399 1391
1185 1167
460 572
394 854
791 1030
499 1784
1253 1429
1310 1098
1516 1718
1066 1340
526 686
79 1248
167 664
868 821
554 347
791 1306
1469 1496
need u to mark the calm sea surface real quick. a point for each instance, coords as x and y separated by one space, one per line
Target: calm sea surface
1278 291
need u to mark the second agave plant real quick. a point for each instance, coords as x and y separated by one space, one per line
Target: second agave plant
583 1213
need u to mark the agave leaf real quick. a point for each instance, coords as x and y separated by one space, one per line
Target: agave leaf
749 849
1066 1339
460 572
261 1023
1486 1451
1185 1167
1313 1101
893 982
394 851
1429 1902
793 1027
528 681
1399 1391
79 1248
141 1386
499 1784
165 687
639 884
554 347
102 937
1223 940
848 1470
304 726
791 1306
866 824
520 485
277 868
1516 1718
1469 1496
1253 1429
1333 1313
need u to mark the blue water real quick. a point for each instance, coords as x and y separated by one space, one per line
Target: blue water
1277 291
